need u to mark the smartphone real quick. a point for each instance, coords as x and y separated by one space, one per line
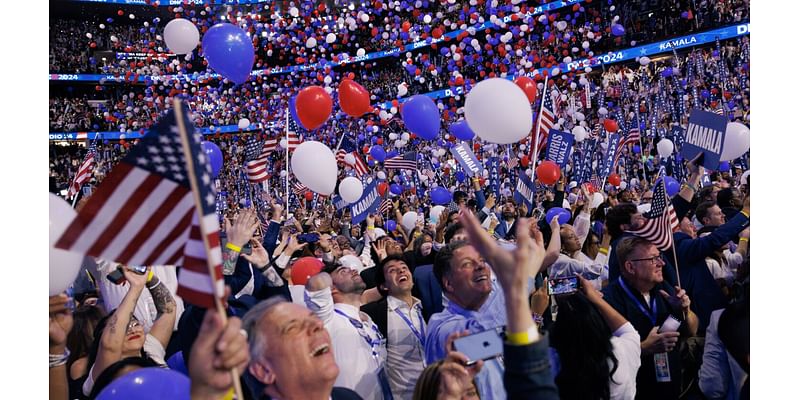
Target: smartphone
139 269
671 324
564 285
480 346
116 277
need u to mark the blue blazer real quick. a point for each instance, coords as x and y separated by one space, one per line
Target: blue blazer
429 290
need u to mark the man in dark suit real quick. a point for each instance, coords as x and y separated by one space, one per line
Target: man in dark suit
508 216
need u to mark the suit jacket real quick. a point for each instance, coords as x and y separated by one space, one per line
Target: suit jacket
377 310
430 292
503 231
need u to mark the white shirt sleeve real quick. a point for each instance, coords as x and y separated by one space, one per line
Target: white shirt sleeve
582 224
321 303
714 374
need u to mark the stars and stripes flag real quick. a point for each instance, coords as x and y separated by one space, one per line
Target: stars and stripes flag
145 213
299 189
348 147
293 139
632 137
386 206
84 173
406 161
257 157
660 222
546 121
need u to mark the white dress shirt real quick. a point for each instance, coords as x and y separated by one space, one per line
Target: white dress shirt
405 352
627 350
358 368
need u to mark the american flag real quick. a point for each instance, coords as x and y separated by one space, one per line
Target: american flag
348 147
257 158
660 222
595 133
144 212
406 161
385 206
84 171
632 138
299 189
293 139
546 122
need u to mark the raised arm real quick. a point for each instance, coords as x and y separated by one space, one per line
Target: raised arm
613 318
165 309
319 298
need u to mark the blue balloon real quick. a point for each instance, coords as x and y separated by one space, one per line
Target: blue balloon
391 226
724 166
396 189
672 186
441 196
176 363
461 130
421 117
667 72
560 213
148 383
377 153
636 149
460 176
214 156
229 51
617 30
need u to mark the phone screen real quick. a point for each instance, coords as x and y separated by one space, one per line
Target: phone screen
480 346
562 285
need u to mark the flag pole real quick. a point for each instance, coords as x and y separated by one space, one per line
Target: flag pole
198 208
286 181
538 124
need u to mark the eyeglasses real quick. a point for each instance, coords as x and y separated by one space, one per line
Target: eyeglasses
652 260
133 324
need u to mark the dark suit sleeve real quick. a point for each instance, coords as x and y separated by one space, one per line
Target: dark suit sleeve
480 199
681 207
700 248
271 237
528 374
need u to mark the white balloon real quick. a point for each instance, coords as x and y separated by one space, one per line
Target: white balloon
737 141
602 111
743 179
64 265
392 136
314 165
311 42
181 36
294 11
498 111
597 199
283 143
330 38
580 133
665 148
365 17
381 175
644 60
360 52
426 19
409 220
244 123
623 185
402 89
350 159
350 189
327 80
436 212
579 116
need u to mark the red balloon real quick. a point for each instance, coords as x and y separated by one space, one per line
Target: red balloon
406 26
353 98
590 187
309 196
314 106
610 125
528 86
525 161
305 268
548 172
382 187
614 179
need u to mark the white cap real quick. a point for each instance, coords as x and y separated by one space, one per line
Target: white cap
572 184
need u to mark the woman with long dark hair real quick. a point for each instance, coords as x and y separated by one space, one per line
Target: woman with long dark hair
79 341
598 351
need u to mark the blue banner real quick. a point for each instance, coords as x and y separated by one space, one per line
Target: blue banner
608 162
117 135
338 202
706 133
559 146
524 191
368 203
494 175
464 155
176 2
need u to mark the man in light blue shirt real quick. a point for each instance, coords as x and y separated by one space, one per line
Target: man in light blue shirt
476 304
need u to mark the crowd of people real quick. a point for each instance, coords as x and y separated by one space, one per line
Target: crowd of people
481 296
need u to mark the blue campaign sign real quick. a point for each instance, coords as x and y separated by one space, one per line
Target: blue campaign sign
494 175
338 202
368 203
706 133
608 162
524 191
472 166
559 146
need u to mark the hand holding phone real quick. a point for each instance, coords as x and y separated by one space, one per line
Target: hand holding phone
480 346
566 285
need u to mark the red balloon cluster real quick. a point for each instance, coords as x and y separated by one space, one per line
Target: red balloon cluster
528 86
309 196
382 187
548 172
314 106
353 98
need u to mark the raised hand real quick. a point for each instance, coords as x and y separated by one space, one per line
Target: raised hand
241 230
60 322
219 348
259 256
680 301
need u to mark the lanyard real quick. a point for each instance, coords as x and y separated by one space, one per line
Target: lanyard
420 336
652 315
373 344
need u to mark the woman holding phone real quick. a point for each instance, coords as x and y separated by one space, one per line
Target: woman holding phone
120 335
